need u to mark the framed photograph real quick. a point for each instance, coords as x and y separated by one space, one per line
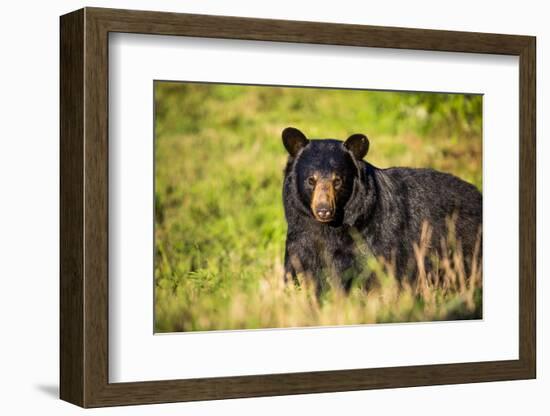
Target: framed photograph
254 207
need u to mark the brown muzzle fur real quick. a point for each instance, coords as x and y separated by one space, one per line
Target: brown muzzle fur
323 202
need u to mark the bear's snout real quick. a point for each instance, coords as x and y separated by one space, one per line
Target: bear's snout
323 203
324 213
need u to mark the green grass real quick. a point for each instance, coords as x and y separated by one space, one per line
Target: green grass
219 221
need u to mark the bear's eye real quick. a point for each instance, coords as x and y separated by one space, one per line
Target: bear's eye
337 182
311 181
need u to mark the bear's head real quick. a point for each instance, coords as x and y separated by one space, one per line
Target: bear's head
327 174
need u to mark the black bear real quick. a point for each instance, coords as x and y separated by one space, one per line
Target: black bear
331 196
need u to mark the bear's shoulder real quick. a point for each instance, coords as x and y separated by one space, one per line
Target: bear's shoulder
429 178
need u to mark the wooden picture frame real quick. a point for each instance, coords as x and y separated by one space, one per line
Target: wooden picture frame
84 207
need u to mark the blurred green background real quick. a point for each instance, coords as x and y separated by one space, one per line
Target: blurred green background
219 221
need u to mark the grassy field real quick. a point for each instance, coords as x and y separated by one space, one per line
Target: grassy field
219 221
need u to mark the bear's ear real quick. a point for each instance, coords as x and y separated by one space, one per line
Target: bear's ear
294 140
358 145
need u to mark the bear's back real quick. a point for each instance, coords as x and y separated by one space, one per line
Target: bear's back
436 190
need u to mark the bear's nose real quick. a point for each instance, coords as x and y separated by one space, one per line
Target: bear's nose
324 213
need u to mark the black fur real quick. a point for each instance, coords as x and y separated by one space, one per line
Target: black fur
385 207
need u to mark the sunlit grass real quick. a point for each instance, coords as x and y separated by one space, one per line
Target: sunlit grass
442 293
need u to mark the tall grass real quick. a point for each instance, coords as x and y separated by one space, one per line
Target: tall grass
219 223
442 293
